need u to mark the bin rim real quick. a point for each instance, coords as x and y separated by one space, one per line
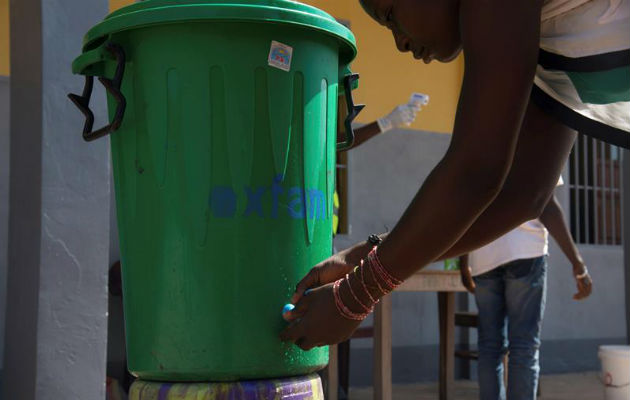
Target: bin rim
619 351
159 12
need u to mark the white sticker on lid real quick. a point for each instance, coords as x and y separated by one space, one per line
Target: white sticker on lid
280 56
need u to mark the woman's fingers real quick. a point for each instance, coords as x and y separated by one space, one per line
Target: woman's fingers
300 309
305 343
293 332
310 280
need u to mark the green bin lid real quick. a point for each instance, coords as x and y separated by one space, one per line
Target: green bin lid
150 12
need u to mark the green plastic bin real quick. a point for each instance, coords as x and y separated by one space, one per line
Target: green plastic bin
223 135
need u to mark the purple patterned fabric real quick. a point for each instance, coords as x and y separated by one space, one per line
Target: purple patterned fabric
300 388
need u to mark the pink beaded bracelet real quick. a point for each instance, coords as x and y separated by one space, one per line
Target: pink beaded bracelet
360 270
356 298
390 281
375 279
343 310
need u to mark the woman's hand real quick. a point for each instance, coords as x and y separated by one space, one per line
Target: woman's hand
331 269
583 282
467 280
315 321
465 272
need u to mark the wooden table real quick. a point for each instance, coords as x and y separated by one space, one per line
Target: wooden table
445 283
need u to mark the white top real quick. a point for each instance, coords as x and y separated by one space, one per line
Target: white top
578 28
553 8
528 240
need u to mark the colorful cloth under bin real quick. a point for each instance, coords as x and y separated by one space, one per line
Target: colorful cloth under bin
299 388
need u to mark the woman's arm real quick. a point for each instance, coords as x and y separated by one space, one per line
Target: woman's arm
501 58
500 41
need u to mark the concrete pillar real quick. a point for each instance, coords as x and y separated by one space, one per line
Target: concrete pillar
4 204
56 320
625 218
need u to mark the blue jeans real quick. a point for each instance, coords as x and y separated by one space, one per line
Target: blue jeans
510 297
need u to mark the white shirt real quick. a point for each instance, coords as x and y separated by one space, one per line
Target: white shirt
528 240
553 8
578 28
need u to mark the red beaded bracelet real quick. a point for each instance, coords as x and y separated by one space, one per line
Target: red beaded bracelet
356 298
343 310
360 270
390 281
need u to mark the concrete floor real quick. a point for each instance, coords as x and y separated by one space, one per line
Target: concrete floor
579 386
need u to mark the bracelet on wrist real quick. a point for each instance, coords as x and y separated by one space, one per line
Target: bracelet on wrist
342 308
374 240
381 277
583 274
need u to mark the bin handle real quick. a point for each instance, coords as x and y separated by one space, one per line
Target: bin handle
111 85
353 111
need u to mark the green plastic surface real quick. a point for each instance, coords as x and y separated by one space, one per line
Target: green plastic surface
224 170
287 12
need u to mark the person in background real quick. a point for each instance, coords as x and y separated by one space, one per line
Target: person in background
509 279
402 116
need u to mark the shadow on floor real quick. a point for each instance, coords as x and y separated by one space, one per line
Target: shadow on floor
580 386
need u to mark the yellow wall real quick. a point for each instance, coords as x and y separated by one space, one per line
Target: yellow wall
4 37
116 4
387 76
